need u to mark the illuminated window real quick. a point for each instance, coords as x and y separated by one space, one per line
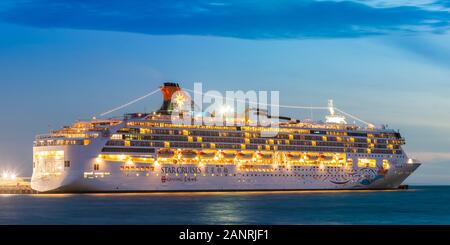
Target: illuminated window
349 162
367 163
116 137
145 131
385 164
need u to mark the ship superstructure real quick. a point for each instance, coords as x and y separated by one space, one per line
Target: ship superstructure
149 152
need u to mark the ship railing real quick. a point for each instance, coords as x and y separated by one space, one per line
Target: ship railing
47 136
67 136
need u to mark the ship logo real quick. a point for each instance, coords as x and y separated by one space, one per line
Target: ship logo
368 176
163 179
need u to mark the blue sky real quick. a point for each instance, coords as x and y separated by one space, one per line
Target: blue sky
384 61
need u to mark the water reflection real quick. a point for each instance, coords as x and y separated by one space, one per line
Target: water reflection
421 205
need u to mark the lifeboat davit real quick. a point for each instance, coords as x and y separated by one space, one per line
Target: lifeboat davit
206 155
166 153
189 154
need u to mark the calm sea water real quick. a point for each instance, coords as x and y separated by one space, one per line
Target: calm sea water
418 205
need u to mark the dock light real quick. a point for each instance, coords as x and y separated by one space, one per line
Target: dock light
7 175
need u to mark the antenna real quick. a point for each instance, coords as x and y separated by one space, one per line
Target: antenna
333 118
331 107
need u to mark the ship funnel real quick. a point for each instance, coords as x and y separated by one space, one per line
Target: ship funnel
169 90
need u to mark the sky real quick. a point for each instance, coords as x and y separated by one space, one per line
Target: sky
387 62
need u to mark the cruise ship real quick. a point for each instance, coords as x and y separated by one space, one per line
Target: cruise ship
149 152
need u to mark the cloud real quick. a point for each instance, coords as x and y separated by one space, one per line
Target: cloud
428 157
247 19
426 47
425 4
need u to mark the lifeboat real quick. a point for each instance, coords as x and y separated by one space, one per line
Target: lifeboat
166 153
264 155
189 154
244 155
206 155
228 155
293 156
312 157
326 158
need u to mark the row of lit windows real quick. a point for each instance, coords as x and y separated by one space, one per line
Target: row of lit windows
226 146
252 129
61 142
129 150
150 134
148 168
136 168
137 140
253 175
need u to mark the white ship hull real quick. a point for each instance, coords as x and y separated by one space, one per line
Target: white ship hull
76 182
191 177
